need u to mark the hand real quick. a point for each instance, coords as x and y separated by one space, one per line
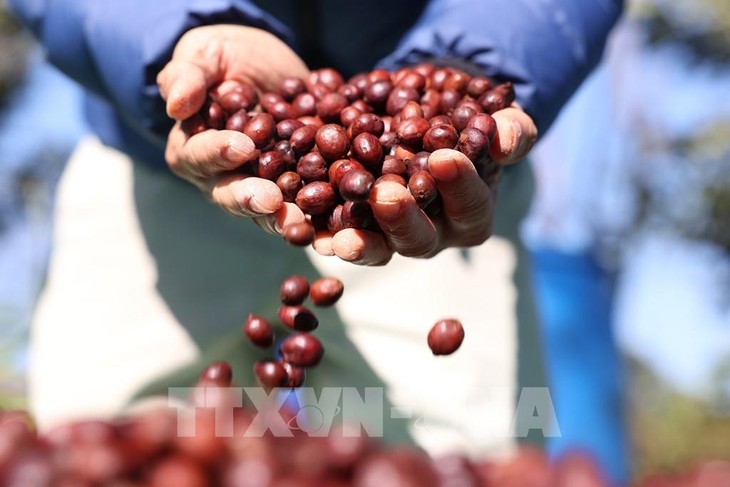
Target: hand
219 57
468 202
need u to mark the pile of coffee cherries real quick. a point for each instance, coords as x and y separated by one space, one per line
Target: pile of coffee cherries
326 141
148 450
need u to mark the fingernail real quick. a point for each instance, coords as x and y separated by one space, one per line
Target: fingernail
389 210
444 169
239 148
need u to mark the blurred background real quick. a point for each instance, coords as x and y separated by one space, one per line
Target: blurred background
633 191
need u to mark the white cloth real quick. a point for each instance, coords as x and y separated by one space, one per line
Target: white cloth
102 328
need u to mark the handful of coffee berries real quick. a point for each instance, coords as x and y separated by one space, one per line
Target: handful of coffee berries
326 141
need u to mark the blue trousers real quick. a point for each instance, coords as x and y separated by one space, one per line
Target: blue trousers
574 297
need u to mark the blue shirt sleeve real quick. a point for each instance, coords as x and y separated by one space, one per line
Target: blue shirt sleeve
116 48
545 47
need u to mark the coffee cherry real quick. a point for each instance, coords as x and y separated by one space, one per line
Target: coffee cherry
287 153
440 120
282 110
362 106
393 165
218 373
213 115
325 291
299 234
410 110
461 115
295 375
332 142
411 131
378 92
477 86
341 167
290 87
457 81
259 331
312 167
350 92
313 121
348 115
302 139
286 128
423 188
445 337
270 374
440 137
238 99
194 125
289 183
377 75
330 106
294 289
367 123
297 317
305 104
316 198
398 99
334 220
261 129
356 184
485 123
438 77
499 97
302 350
449 100
270 165
328 77
238 121
367 150
473 144
356 214
412 80
419 162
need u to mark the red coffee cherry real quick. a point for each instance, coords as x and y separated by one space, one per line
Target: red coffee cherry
259 331
461 115
218 373
316 198
341 167
473 144
326 291
393 165
312 167
305 104
423 188
270 165
485 123
445 337
294 289
334 220
290 87
411 131
302 139
286 128
270 374
299 234
355 185
477 86
332 142
295 375
302 350
289 183
499 97
238 121
367 150
194 125
261 129
297 317
367 123
330 106
356 214
440 137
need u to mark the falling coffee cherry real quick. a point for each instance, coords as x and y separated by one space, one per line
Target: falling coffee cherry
295 375
445 337
302 350
218 374
298 318
300 234
259 331
325 291
294 289
270 374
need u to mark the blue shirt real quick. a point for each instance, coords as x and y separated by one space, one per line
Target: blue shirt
116 47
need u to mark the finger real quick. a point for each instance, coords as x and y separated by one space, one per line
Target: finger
408 230
516 135
361 247
466 198
323 243
287 214
212 152
184 85
243 195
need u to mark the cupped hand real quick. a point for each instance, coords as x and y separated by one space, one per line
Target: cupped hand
218 58
468 197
